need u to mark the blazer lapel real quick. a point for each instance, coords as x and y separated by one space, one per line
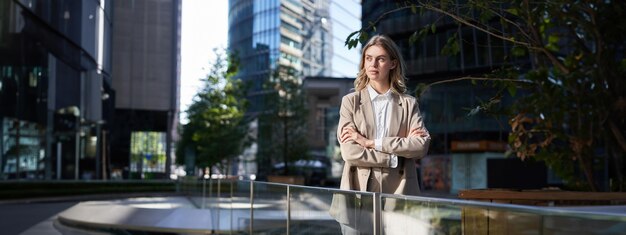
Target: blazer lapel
368 113
397 112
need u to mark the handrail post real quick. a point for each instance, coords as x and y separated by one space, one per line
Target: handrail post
377 214
251 206
232 186
210 191
288 208
218 202
203 193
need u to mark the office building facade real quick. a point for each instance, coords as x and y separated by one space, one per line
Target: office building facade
146 72
462 145
269 34
55 89
274 34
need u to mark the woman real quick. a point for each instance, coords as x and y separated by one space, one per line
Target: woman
380 132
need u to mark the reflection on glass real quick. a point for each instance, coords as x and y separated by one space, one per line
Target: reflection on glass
218 199
250 207
423 216
402 216
192 188
310 211
354 211
241 203
269 208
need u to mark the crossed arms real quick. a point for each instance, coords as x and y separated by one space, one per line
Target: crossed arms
358 150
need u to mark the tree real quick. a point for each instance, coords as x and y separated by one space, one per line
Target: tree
284 119
574 104
217 129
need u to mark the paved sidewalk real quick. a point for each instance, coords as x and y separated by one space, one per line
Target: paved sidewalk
36 215
19 217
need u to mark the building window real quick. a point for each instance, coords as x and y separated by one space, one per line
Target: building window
147 150
290 42
290 27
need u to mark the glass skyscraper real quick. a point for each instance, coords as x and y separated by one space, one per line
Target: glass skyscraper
269 33
268 36
88 89
55 88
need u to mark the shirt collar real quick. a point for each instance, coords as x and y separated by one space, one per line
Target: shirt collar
373 94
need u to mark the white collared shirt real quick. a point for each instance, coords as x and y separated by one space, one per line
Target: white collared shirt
382 118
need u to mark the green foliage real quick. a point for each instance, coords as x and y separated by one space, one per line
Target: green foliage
284 121
572 102
568 111
452 46
217 130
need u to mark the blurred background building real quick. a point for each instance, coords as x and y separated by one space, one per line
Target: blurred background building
467 151
62 62
146 78
324 100
89 89
303 35
55 89
267 34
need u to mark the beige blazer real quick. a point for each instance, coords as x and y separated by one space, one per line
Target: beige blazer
356 110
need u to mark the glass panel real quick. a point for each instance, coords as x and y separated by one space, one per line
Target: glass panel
415 215
219 201
354 212
401 216
494 221
192 188
240 205
269 208
310 211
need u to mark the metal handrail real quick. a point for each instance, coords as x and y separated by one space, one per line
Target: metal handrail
377 210
296 208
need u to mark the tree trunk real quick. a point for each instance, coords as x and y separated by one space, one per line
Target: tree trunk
286 142
619 138
586 163
616 152
618 165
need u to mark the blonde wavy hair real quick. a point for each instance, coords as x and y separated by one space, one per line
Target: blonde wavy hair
396 75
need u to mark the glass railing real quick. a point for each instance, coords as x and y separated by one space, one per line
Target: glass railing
253 207
423 215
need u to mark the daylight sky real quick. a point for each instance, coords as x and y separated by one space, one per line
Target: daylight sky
205 27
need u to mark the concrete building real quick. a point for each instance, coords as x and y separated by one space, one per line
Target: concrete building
146 77
55 89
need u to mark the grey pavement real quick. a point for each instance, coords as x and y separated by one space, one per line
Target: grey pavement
18 217
159 214
36 215
177 214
